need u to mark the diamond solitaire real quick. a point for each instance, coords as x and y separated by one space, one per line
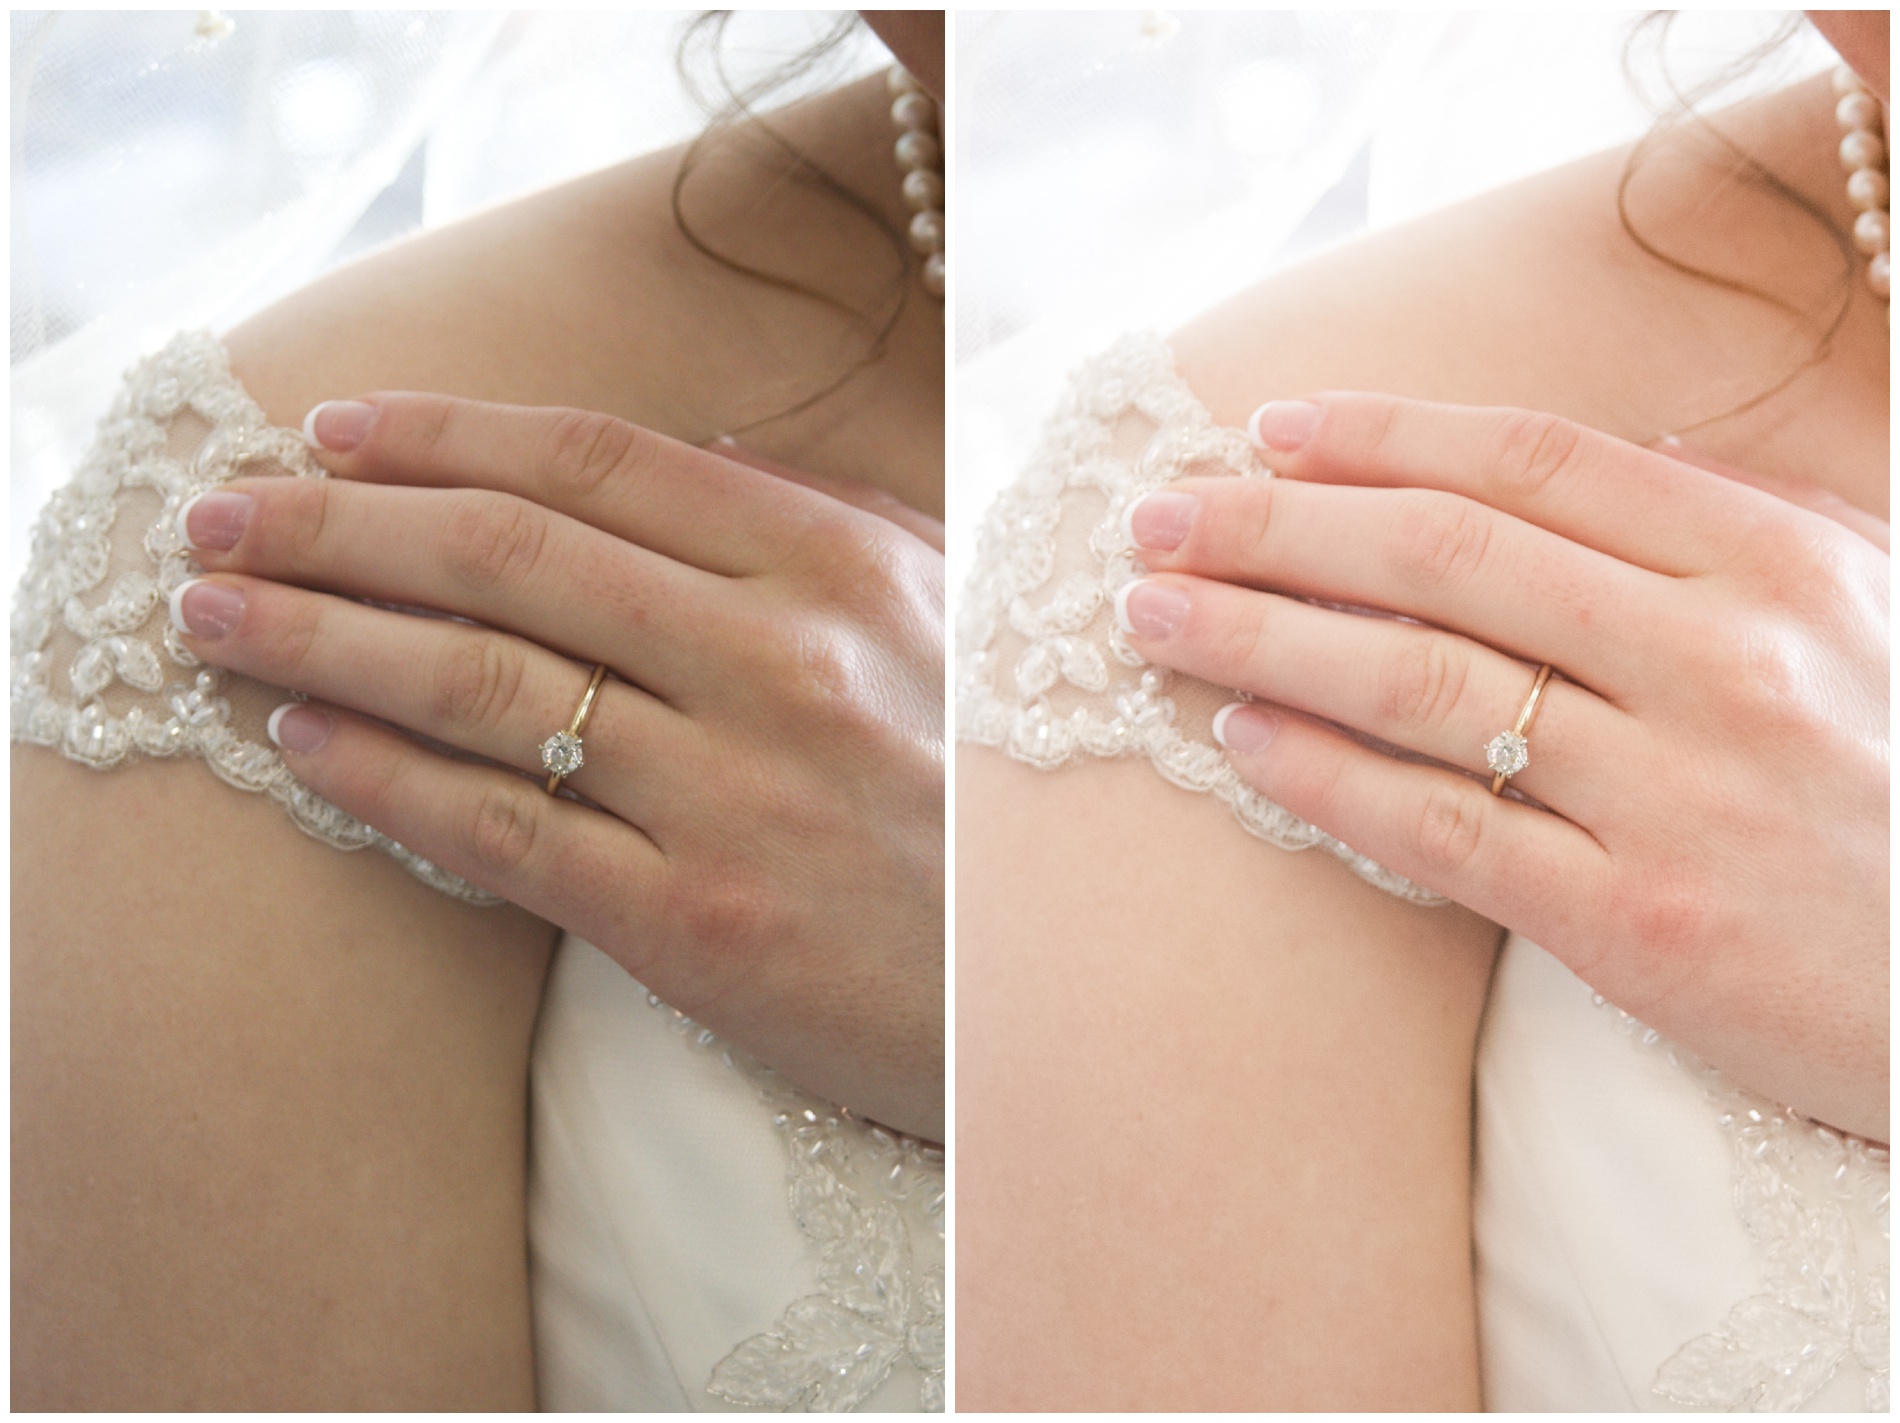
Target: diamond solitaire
561 753
1507 753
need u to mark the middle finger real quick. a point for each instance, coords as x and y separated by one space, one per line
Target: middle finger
497 559
1430 555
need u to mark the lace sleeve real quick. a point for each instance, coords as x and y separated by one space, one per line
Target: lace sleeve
98 672
1042 670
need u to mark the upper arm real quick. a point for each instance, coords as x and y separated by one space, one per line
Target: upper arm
1213 1110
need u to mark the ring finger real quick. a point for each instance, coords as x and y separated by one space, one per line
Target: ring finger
1412 687
487 692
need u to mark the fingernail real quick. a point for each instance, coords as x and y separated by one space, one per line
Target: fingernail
1283 424
1245 727
296 726
214 520
205 609
1160 520
338 425
1150 610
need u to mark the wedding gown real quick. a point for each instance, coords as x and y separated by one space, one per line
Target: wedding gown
702 1233
1648 1236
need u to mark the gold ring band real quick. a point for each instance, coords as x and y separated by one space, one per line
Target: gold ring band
1509 752
561 753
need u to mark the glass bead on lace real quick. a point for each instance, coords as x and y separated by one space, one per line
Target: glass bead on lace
98 672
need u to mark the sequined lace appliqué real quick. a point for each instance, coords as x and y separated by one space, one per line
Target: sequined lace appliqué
1801 1189
870 1203
1043 672
92 606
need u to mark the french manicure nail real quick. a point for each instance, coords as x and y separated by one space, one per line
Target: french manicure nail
1283 424
205 609
1150 610
214 520
338 425
1245 727
297 726
1160 520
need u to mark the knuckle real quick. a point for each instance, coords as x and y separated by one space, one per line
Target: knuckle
494 542
1670 912
301 519
1237 641
425 426
288 634
506 829
1450 828
1423 682
477 681
1242 531
732 915
1443 542
586 450
1532 450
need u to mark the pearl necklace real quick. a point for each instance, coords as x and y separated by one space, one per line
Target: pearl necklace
920 160
1864 156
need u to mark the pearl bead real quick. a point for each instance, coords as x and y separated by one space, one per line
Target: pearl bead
919 150
1872 231
933 274
1846 81
1862 149
1880 275
923 189
1867 189
914 111
901 81
926 232
1858 110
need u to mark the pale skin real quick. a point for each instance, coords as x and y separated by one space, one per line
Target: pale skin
1245 1182
269 1100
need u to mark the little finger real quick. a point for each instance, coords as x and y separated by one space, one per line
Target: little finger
572 865
1524 868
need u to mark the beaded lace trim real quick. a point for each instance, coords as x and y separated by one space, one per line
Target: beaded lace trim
1813 1199
100 592
1043 672
870 1203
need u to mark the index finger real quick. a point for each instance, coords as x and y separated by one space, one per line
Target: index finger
1594 489
689 504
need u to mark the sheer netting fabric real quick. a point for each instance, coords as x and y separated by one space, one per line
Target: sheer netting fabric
849 1217
1597 1163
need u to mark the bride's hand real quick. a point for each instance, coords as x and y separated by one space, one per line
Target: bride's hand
1709 847
763 847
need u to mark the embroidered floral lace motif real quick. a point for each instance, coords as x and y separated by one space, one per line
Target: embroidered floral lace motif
1816 1201
1043 672
98 671
870 1203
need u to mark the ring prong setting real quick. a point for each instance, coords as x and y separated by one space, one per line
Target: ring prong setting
1507 753
561 754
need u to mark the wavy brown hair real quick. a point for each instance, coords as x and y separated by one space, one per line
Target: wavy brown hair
702 63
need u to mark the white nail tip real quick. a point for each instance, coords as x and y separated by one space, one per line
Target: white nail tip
1121 605
310 426
177 609
184 535
1128 521
1220 720
270 727
1253 429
